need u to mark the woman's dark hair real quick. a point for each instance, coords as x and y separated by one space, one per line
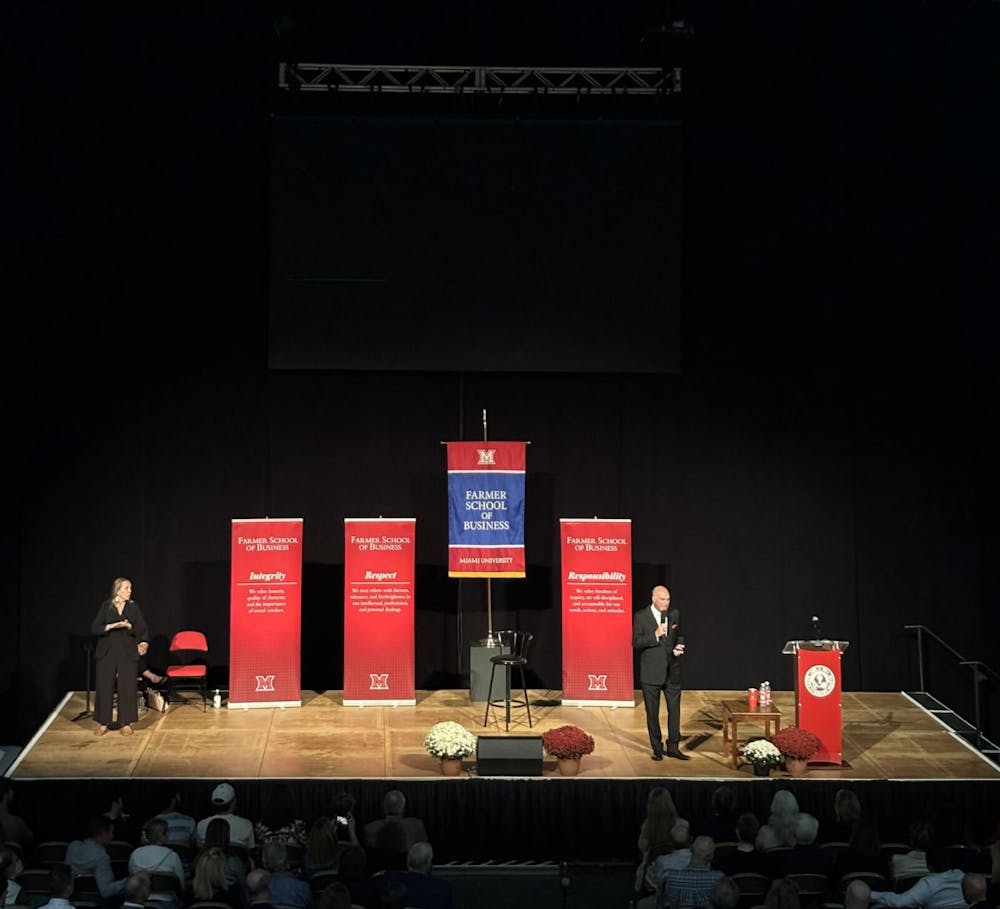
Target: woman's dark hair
865 839
217 834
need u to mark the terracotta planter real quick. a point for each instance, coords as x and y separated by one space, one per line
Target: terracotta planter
796 766
451 767
569 766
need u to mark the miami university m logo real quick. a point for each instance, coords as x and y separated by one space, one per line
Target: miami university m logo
380 681
597 682
487 456
265 683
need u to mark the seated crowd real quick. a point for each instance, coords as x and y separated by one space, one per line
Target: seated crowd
731 860
728 859
227 861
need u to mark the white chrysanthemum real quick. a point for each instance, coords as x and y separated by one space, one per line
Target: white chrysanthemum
449 741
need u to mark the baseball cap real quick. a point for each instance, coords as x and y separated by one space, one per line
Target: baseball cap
223 794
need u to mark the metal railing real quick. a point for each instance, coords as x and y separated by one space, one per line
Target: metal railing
980 671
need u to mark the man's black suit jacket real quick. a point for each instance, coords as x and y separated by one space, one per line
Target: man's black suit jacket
656 657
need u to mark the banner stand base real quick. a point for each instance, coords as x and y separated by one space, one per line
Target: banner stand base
382 703
255 704
578 703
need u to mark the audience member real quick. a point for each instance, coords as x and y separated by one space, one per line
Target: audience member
259 889
691 887
214 881
180 826
858 895
392 895
353 873
157 857
394 812
940 888
90 856
322 849
60 887
224 802
279 820
661 815
805 857
846 814
345 823
863 852
725 894
779 830
655 836
746 857
217 837
974 889
10 867
124 826
138 890
286 888
389 850
721 823
422 889
677 856
335 896
913 863
782 894
13 828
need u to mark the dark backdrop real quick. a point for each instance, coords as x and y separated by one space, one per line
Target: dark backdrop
828 446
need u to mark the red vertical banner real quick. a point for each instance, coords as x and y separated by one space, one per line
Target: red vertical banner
597 612
379 562
265 613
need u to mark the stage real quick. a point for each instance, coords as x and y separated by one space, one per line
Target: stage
886 736
897 757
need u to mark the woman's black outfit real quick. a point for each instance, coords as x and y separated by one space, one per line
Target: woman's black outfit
116 659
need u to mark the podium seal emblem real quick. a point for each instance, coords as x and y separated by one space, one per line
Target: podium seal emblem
819 681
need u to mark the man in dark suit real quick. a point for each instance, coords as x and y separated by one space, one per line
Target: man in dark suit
656 634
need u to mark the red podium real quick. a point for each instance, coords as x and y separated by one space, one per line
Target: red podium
817 694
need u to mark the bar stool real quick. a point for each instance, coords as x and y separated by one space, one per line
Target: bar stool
516 643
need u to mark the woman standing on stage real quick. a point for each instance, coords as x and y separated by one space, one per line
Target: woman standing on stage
122 636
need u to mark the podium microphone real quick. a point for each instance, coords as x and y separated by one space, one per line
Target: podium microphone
815 620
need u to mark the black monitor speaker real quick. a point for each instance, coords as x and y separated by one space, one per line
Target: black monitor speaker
509 755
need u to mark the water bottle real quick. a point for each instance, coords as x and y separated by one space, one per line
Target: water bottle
765 694
217 699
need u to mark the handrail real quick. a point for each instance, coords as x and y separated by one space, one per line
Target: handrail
977 666
940 640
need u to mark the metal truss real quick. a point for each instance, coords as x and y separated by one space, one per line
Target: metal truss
480 80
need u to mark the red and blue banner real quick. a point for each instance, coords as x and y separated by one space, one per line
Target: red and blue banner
379 560
597 612
265 613
486 509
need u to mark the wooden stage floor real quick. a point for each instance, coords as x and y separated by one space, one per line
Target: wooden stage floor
886 737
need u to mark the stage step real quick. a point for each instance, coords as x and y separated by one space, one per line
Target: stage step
958 724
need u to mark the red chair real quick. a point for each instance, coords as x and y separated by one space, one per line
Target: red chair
191 672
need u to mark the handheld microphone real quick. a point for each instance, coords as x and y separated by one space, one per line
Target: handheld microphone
815 620
663 617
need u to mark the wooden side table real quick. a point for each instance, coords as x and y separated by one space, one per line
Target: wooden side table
735 712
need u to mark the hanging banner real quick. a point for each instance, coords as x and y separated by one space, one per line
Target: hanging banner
597 612
379 561
265 613
486 509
